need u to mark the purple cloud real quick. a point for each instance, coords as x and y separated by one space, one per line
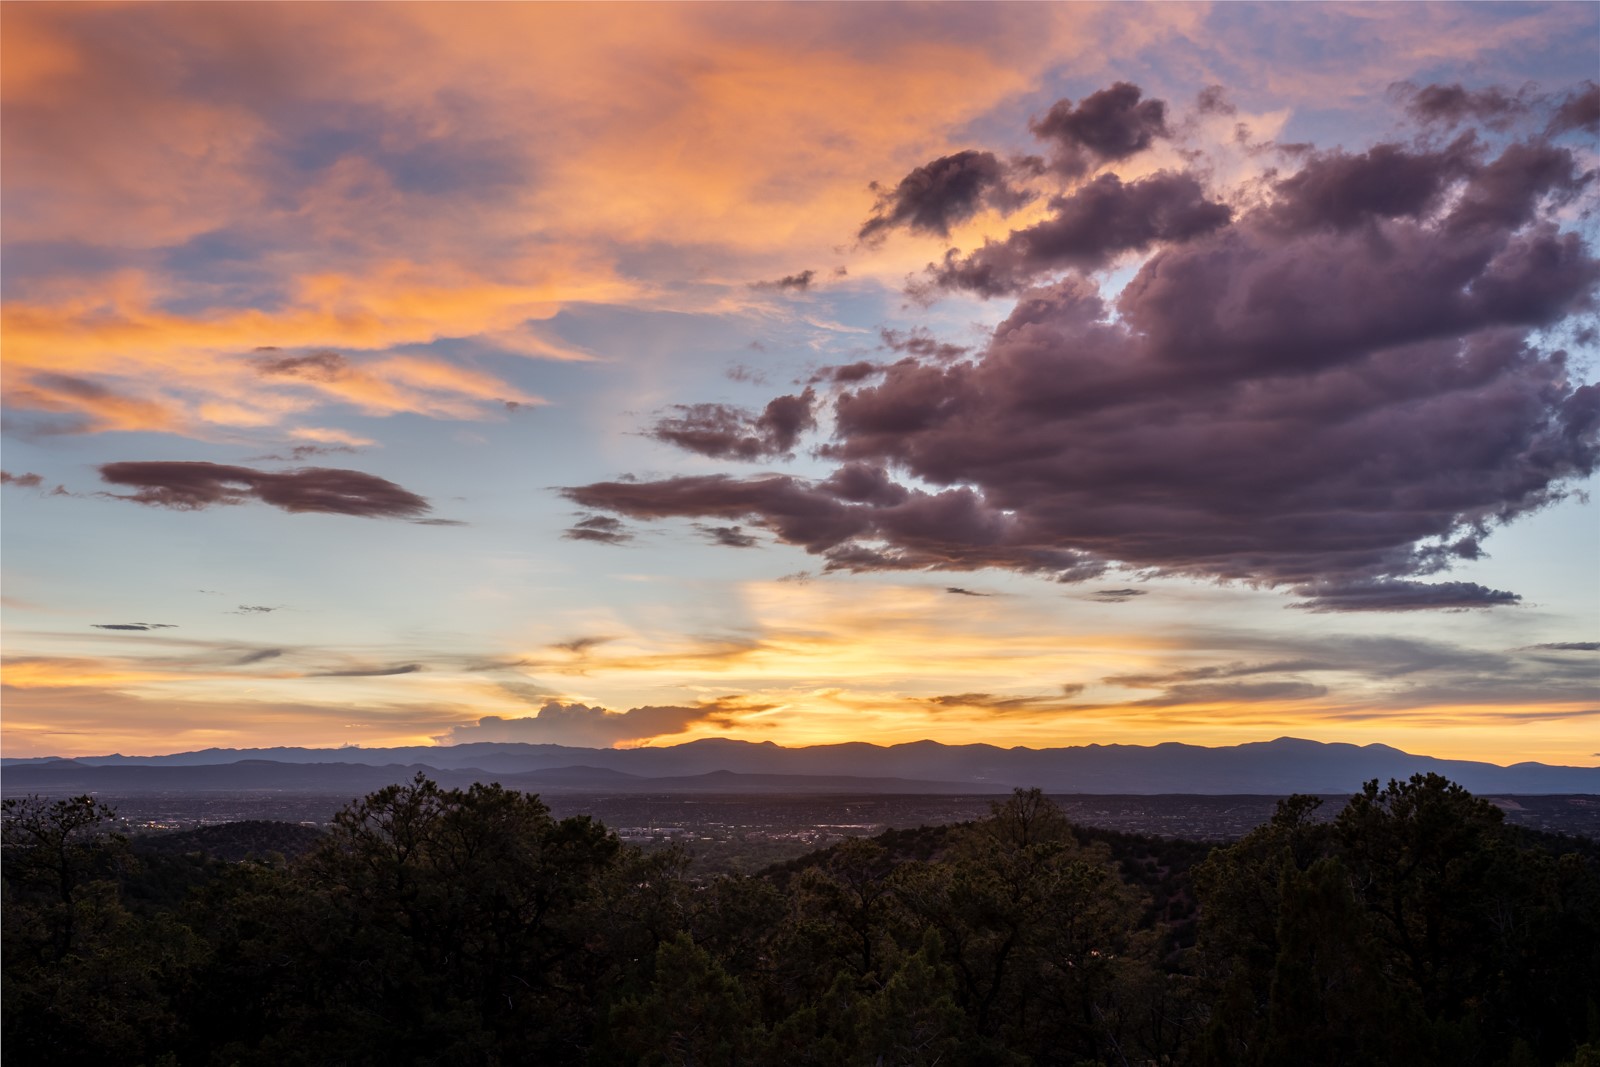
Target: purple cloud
1342 390
1338 191
1090 226
724 432
1579 111
1451 105
727 536
948 190
847 372
1116 596
1390 594
371 672
1106 126
320 366
798 282
191 486
602 529
921 343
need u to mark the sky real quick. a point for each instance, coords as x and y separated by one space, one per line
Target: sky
619 375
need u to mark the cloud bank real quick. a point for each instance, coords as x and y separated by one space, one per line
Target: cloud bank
1340 387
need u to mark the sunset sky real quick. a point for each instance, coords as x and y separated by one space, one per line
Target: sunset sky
612 375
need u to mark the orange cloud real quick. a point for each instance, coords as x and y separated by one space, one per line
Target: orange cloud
122 363
750 133
702 146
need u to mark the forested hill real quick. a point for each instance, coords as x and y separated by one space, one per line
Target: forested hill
444 926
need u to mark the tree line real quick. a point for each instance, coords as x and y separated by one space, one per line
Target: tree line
447 926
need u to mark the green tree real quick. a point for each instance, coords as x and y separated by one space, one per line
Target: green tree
1412 928
84 980
1039 932
692 1014
456 925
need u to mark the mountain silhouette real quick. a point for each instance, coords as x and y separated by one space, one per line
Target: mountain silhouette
1285 765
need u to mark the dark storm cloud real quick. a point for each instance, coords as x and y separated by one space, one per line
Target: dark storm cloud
725 432
1507 193
858 519
846 373
191 486
814 518
1343 390
602 529
1338 191
1116 596
1106 126
1579 111
370 672
320 366
1499 108
937 195
729 536
133 625
1569 646
1397 595
1451 105
958 591
21 481
921 343
798 282
1089 226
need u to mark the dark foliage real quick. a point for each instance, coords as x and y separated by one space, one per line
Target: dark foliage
448 926
232 841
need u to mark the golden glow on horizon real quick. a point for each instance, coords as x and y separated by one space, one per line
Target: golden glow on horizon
87 721
902 663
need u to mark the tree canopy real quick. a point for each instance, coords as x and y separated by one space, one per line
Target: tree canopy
469 926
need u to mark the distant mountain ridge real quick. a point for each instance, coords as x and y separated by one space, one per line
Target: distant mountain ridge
1282 766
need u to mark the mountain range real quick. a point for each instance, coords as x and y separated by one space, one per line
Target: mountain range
1285 765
